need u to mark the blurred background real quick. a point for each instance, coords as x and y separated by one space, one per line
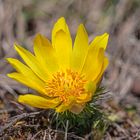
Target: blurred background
21 20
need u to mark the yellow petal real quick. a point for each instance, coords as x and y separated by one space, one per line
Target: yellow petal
32 62
62 42
38 101
90 86
20 67
100 41
45 53
61 108
85 97
29 81
93 63
105 64
80 49
28 73
66 105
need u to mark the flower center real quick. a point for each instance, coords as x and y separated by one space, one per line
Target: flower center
66 85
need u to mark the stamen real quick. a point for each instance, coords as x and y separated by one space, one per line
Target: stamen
65 85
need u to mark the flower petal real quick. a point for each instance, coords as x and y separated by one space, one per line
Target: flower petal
20 67
80 49
62 107
62 42
66 105
32 62
105 64
45 53
100 41
38 101
85 97
90 87
29 81
93 63
36 83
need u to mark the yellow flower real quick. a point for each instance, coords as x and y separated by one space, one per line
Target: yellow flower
66 77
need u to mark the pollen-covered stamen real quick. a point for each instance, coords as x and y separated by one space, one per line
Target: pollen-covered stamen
66 85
